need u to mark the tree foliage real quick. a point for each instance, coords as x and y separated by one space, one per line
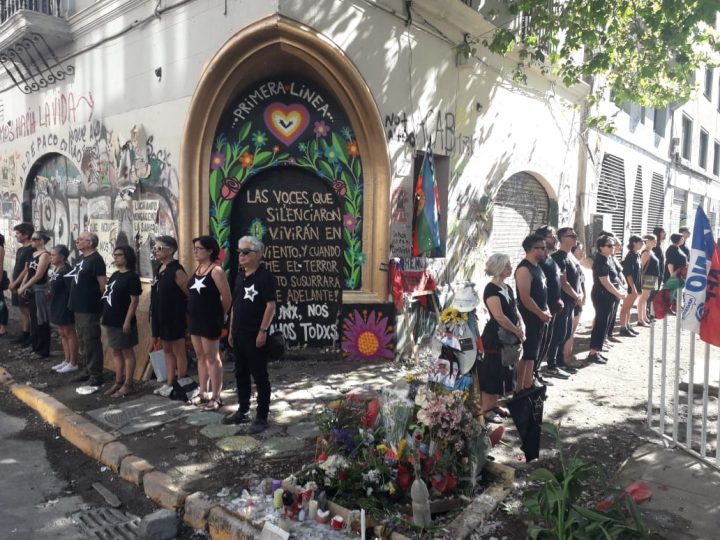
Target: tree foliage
644 51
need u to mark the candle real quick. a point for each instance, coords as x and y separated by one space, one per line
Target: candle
323 516
312 509
362 523
277 498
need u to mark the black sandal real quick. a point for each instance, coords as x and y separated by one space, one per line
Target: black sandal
213 405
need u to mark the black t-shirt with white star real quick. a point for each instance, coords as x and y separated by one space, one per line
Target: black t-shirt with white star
85 294
250 297
23 256
116 298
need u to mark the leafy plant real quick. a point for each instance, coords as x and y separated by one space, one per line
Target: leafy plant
556 504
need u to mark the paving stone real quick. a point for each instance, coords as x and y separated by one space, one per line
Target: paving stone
204 418
218 431
303 430
279 405
161 488
282 446
107 523
223 524
160 525
238 443
133 469
197 509
113 453
290 417
147 412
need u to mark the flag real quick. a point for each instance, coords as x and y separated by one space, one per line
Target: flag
426 218
701 254
710 324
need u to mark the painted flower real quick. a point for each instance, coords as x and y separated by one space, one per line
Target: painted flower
291 161
222 255
367 339
339 187
275 149
246 160
605 504
302 147
259 138
361 258
217 161
347 133
331 154
349 222
352 149
257 228
321 129
229 189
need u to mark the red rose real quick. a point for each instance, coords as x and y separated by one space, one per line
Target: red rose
229 189
639 491
322 457
342 475
404 477
339 187
373 410
604 505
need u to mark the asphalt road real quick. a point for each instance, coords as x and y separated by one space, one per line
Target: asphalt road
34 501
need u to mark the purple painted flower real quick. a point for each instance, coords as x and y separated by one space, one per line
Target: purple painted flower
350 222
339 187
367 339
217 161
321 129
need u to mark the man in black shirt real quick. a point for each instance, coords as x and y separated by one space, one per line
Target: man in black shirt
252 313
685 232
554 278
571 295
23 256
88 280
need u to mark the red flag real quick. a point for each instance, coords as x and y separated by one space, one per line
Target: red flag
710 324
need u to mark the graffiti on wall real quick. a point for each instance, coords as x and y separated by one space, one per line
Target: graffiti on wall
58 109
120 187
446 138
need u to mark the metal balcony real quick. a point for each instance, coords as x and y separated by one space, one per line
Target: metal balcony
31 31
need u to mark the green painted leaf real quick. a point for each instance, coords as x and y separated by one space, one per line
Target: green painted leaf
215 183
244 130
339 145
262 157
326 168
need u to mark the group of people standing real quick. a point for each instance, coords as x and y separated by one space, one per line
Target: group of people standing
84 304
543 312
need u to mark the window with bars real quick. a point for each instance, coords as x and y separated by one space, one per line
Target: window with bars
638 207
708 83
611 193
656 202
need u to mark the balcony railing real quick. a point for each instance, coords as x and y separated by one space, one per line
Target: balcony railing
8 8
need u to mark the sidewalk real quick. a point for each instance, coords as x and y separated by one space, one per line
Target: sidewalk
175 453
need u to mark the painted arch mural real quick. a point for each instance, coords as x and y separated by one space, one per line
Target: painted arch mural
285 167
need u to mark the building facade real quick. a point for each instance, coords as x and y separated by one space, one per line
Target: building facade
303 123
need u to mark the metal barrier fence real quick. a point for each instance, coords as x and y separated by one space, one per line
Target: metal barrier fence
688 422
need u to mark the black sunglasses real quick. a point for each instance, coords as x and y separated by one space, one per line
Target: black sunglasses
246 251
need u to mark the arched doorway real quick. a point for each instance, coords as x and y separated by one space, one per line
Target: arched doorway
521 206
304 249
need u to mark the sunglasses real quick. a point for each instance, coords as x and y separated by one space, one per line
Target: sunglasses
158 248
246 251
35 238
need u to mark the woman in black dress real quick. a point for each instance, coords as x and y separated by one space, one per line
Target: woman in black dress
209 300
60 315
606 292
650 280
633 276
120 302
496 379
35 284
168 310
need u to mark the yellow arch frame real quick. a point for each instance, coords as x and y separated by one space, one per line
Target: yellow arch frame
271 45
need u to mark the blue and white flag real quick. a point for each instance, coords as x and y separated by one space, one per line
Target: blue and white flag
701 253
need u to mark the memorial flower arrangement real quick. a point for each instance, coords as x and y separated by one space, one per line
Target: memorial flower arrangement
371 446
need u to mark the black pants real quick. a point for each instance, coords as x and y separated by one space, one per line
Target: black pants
3 309
87 326
561 328
251 361
613 316
604 313
33 320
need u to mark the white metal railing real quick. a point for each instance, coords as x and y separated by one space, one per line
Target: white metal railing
8 8
665 418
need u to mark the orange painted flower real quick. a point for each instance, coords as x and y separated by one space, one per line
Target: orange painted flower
246 160
276 149
352 149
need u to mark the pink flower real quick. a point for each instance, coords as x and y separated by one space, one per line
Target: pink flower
350 222
605 504
321 129
217 161
339 187
639 491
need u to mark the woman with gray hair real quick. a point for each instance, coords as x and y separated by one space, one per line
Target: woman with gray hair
252 312
495 378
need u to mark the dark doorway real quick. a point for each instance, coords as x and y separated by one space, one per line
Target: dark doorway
299 218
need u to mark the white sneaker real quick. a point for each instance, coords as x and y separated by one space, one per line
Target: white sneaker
68 368
164 388
60 365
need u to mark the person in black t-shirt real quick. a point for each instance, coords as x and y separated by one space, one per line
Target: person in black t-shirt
633 276
660 236
3 304
23 232
533 307
685 232
35 286
554 279
675 258
120 301
577 259
88 280
650 278
60 314
252 313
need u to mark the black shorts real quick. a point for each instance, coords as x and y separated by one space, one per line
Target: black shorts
534 331
20 301
494 378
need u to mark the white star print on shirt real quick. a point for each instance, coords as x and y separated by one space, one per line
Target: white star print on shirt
199 284
107 295
33 265
52 275
75 272
250 293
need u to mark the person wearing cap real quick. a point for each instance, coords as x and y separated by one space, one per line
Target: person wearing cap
533 307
